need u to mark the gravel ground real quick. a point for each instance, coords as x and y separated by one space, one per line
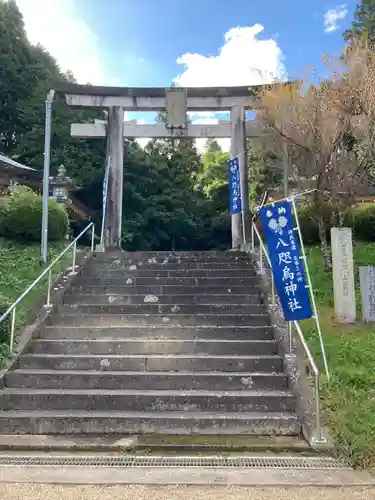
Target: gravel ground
56 492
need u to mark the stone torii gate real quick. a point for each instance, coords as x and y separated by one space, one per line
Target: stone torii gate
176 102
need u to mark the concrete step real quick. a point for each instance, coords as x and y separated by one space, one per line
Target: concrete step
164 309
189 299
155 422
97 288
152 363
146 400
151 346
172 265
136 320
166 332
226 282
112 380
156 257
155 443
164 273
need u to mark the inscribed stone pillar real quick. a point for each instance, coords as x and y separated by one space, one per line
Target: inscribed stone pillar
238 148
367 281
115 154
343 274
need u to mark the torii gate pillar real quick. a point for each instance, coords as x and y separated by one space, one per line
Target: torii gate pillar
240 222
115 157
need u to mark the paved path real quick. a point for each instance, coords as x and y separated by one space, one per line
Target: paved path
55 492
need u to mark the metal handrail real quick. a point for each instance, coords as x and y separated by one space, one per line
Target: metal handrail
12 308
313 365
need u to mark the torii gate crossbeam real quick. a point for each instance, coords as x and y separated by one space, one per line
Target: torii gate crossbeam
176 102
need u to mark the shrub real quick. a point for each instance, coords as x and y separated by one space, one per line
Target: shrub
23 218
364 223
4 325
309 226
3 214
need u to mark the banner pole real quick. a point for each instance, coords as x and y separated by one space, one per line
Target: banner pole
105 199
312 295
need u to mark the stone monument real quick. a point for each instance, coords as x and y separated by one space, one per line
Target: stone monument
343 274
367 281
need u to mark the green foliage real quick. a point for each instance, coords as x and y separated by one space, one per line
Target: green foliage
4 325
364 22
23 217
364 222
361 219
19 266
348 401
3 213
265 171
309 223
309 226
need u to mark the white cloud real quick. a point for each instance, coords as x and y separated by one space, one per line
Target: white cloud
332 18
55 24
242 60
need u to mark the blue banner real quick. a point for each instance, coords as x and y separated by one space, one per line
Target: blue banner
105 188
287 265
235 206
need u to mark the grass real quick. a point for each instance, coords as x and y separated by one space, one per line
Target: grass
349 400
19 266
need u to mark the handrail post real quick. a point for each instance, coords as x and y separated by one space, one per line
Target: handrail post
92 237
261 259
318 427
48 305
74 257
290 338
273 291
311 290
252 238
12 329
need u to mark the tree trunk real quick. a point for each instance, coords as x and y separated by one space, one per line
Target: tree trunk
324 244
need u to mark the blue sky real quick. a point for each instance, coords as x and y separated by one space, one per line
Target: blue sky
141 40
138 42
191 42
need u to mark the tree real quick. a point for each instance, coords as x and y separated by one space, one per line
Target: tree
212 146
164 204
364 22
358 87
265 168
316 121
16 82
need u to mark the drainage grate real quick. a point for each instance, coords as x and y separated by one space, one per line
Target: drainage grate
250 462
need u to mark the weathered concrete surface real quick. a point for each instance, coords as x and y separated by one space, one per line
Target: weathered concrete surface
159 290
40 492
164 332
112 445
173 423
155 308
55 379
177 354
367 282
134 320
152 346
146 400
152 363
161 299
226 272
343 274
188 476
136 492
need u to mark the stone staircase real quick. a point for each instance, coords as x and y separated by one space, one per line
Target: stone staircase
166 343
